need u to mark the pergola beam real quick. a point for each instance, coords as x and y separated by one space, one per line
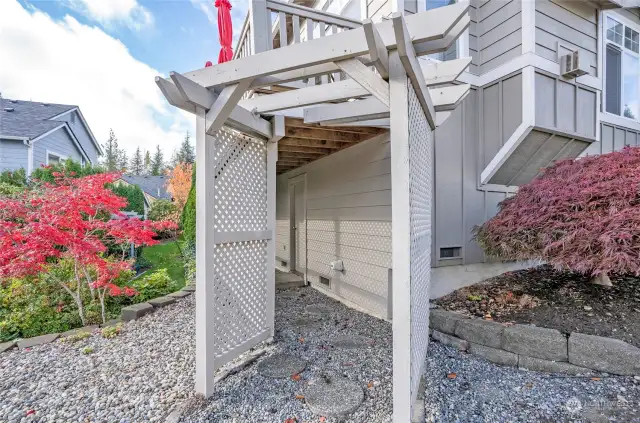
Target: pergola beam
448 98
423 27
224 105
437 46
377 50
442 73
326 93
367 79
239 119
367 109
412 67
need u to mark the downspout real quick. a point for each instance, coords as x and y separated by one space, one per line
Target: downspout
29 156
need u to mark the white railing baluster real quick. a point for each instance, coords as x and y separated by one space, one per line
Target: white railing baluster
310 25
282 18
323 30
296 29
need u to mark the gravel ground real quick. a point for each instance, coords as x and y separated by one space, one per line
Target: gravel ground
147 371
137 376
484 392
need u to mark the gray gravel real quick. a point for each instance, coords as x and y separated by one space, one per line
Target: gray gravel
137 376
484 392
148 371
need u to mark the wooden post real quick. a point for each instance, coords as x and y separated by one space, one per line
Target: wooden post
272 159
205 245
260 26
401 252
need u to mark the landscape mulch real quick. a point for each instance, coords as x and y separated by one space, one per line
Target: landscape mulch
548 298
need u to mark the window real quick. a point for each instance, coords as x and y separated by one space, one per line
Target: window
55 158
452 52
622 69
450 252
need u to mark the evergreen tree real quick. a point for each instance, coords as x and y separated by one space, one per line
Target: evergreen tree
111 158
147 163
185 153
136 166
157 162
123 162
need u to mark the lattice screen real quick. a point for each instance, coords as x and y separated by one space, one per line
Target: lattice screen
240 284
420 194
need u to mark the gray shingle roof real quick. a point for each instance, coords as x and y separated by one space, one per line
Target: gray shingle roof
155 186
28 118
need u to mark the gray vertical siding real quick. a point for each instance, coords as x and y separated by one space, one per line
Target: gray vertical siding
565 106
499 33
462 145
613 138
13 155
59 142
81 133
573 24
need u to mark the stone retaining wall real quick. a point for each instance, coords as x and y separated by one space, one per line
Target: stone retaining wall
128 313
535 348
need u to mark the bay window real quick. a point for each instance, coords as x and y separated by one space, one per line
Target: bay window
622 69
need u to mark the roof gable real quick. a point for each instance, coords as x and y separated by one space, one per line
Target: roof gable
155 186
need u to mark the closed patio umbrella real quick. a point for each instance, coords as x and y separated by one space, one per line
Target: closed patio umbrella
225 30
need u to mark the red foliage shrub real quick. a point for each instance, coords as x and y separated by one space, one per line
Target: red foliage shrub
580 215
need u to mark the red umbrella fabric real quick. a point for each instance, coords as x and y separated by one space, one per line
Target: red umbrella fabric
225 30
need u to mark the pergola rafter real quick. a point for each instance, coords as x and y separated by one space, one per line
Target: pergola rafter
388 87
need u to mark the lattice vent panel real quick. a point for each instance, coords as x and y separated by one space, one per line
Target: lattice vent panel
420 194
241 182
240 268
240 293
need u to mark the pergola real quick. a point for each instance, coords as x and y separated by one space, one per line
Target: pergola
240 149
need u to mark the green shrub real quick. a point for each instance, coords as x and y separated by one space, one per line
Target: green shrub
10 190
189 214
30 307
153 285
163 210
16 178
69 167
134 196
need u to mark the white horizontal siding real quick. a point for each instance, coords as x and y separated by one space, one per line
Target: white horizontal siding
349 219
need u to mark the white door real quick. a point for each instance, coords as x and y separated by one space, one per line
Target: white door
298 224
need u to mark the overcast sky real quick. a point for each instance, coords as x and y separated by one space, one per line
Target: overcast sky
103 55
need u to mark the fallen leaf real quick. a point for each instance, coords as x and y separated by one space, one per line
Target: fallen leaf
301 340
529 385
30 412
452 376
595 378
291 420
296 377
323 419
300 397
370 385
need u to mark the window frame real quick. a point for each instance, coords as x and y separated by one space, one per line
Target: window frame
626 23
61 157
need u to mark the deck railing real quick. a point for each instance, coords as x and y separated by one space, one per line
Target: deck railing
273 24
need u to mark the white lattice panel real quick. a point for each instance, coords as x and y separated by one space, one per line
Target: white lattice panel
240 268
420 192
241 182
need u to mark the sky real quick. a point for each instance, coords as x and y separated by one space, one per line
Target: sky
103 56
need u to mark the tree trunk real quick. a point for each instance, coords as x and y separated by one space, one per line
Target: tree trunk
601 279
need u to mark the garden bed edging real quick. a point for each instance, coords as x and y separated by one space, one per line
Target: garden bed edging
128 313
535 348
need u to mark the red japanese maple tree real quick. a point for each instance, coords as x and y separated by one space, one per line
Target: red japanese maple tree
581 215
71 220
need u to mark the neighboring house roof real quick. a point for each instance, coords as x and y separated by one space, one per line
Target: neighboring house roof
28 120
154 186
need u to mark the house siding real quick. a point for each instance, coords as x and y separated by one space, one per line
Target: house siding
565 106
59 142
13 155
613 138
81 133
573 24
499 33
348 218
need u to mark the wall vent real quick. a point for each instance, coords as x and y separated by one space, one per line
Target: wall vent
450 252
325 281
